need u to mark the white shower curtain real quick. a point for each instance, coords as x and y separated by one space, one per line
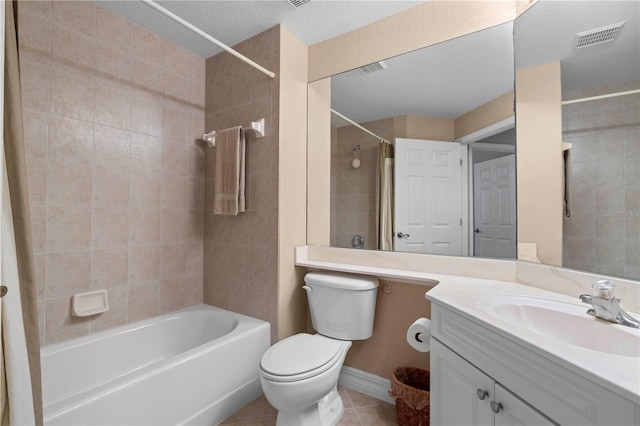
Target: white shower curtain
384 195
20 387
15 385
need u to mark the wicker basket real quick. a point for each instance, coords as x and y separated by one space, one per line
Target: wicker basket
410 389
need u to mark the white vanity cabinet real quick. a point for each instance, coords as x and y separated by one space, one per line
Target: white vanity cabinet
468 355
464 395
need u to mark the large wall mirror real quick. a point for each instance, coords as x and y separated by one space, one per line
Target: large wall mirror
597 46
448 111
458 91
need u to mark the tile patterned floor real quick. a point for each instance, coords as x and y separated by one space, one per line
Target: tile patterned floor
359 410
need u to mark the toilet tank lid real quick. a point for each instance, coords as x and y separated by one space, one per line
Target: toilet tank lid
341 280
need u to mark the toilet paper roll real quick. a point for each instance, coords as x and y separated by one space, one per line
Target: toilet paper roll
419 334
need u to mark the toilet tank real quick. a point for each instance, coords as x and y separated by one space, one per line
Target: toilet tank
342 306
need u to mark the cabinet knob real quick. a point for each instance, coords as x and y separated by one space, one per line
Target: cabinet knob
482 394
496 407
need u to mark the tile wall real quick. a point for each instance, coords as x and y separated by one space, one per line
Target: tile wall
603 232
112 115
353 191
241 252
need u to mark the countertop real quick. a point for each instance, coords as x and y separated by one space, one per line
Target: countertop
617 373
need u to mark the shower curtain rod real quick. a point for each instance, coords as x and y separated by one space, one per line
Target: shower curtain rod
206 36
359 126
595 98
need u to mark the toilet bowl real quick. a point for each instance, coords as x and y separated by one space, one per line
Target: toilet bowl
299 377
299 374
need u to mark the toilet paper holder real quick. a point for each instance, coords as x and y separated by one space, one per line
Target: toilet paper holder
419 335
422 337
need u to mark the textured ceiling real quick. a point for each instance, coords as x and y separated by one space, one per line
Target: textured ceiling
454 77
446 80
234 21
547 32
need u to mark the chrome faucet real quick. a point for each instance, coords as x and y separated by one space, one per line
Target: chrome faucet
607 306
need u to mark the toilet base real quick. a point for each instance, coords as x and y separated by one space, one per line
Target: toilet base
326 412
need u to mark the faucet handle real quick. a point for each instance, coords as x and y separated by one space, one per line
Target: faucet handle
604 288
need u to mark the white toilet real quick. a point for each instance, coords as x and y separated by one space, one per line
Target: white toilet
299 374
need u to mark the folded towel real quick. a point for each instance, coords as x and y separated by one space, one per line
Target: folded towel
229 173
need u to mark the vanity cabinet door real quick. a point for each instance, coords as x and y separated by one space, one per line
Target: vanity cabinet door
463 395
514 411
460 393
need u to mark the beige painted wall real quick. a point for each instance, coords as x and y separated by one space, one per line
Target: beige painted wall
292 188
319 165
388 347
539 160
485 115
421 127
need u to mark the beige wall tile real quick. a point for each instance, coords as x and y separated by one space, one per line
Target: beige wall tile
35 40
42 8
105 153
79 15
109 268
72 93
112 106
144 189
175 58
174 157
34 79
39 228
67 273
110 227
172 294
68 227
72 49
36 133
144 301
60 325
37 180
174 191
144 264
146 154
147 45
114 29
144 224
117 313
147 76
173 261
146 114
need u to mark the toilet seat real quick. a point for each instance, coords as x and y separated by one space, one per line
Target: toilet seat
300 357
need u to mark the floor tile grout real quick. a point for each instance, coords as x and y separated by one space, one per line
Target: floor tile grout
360 410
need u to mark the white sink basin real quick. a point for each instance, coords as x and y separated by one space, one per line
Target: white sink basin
565 322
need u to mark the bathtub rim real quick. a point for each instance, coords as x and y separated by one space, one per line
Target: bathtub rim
244 325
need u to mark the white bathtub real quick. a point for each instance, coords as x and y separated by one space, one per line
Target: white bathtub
193 366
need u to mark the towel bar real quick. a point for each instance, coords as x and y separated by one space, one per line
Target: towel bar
257 127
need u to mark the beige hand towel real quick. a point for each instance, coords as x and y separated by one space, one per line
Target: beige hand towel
229 173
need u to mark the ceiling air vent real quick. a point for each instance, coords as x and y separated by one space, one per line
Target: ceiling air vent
374 67
598 35
298 3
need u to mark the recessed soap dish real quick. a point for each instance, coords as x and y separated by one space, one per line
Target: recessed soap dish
89 303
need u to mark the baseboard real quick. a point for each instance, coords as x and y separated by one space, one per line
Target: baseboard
366 383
